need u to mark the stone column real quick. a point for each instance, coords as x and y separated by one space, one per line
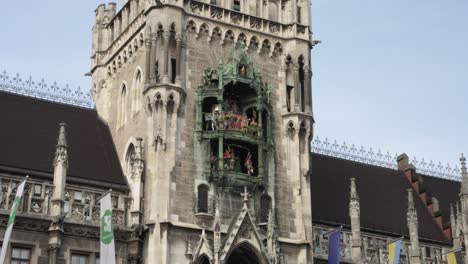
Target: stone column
60 172
355 215
58 197
148 69
453 224
178 58
152 69
137 177
464 201
412 221
297 91
307 90
165 60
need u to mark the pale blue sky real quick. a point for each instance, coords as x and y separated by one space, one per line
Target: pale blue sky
389 74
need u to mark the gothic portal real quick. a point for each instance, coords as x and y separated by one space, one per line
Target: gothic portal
209 105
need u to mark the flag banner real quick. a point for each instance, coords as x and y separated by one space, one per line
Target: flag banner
334 247
454 257
394 252
11 220
107 254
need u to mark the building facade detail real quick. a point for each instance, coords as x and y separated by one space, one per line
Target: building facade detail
412 221
355 215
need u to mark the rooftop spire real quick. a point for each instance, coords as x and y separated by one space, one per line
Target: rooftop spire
61 154
354 194
464 174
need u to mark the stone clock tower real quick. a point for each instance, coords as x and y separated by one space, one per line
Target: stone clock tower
209 103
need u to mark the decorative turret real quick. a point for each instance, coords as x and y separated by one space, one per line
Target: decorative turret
60 172
412 221
58 198
354 214
464 202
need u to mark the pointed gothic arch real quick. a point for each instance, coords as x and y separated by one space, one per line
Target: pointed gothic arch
122 107
202 198
137 90
245 253
203 259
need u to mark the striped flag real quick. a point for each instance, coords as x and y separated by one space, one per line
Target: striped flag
394 252
107 254
454 257
11 220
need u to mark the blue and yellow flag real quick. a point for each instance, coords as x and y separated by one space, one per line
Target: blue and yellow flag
394 252
454 257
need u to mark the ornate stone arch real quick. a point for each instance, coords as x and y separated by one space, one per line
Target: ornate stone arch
266 45
191 26
242 38
254 43
278 49
204 29
216 32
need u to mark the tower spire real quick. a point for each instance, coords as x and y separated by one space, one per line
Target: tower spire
61 154
412 221
355 215
464 174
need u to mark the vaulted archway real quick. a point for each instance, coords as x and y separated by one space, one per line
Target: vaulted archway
245 253
203 259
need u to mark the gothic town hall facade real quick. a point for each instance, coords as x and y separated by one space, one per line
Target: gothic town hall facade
202 128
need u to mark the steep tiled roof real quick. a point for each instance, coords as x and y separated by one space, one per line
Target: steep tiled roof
446 192
28 135
382 193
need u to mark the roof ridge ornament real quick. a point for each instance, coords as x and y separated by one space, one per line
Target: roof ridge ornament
42 90
381 159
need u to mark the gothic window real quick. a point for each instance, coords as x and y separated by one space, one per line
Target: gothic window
137 92
299 17
288 97
173 69
301 83
129 160
265 204
121 115
202 203
236 5
273 11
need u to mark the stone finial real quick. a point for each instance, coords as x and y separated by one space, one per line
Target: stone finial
354 194
402 161
464 174
61 155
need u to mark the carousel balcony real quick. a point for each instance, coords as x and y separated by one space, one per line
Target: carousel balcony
234 181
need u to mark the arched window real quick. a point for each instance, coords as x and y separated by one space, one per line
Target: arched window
121 114
265 205
137 92
236 5
202 199
273 11
129 158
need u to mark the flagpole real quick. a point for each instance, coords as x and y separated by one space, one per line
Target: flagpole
453 250
102 196
11 218
395 240
332 231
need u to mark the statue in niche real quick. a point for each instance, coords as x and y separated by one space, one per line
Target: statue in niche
242 70
253 126
229 159
249 164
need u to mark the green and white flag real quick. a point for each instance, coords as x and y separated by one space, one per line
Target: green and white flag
11 220
107 255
